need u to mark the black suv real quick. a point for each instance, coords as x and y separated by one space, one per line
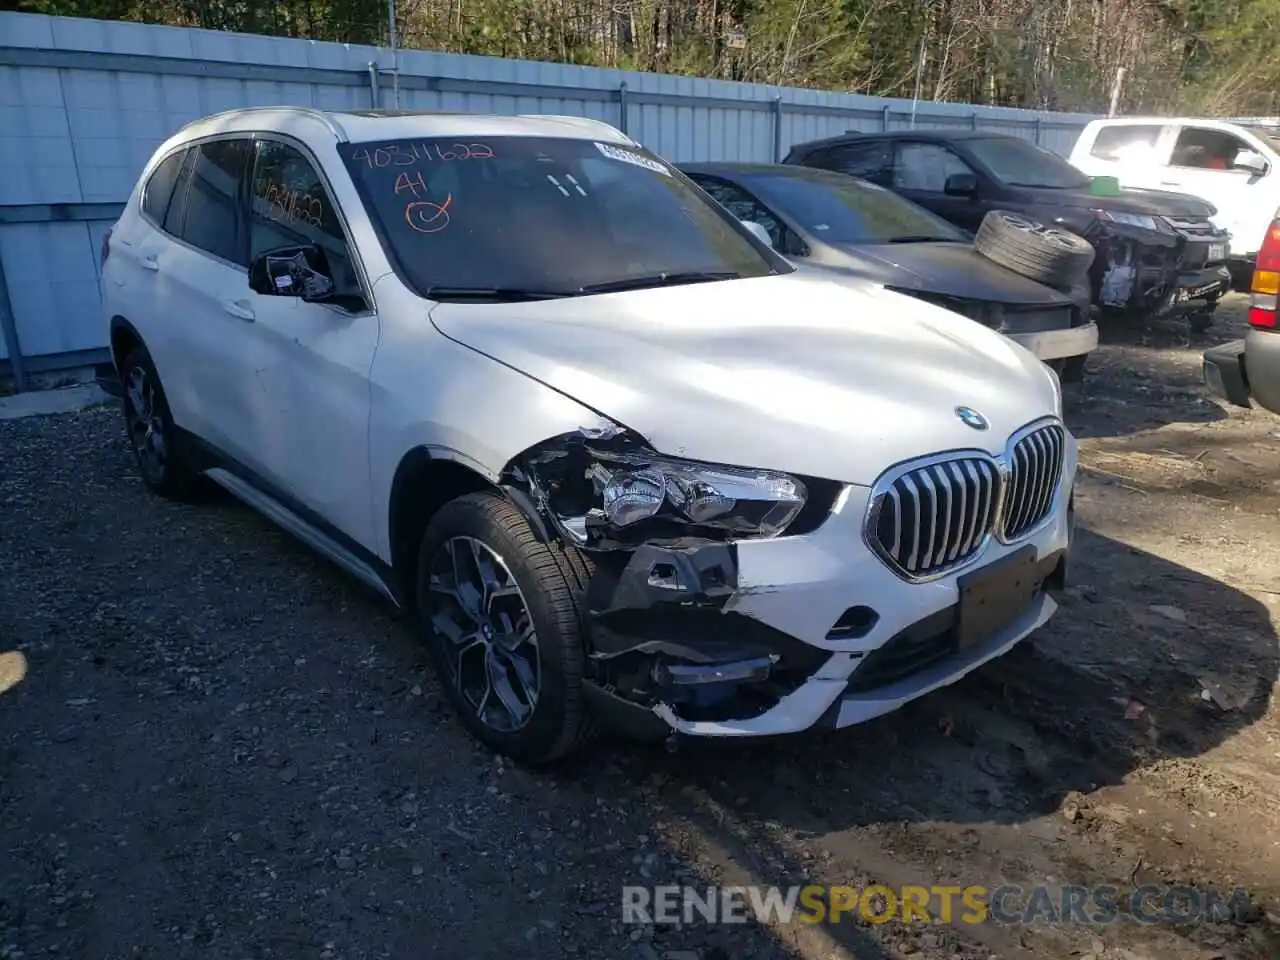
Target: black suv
1156 251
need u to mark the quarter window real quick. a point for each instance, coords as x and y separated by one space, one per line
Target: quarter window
291 207
159 189
177 211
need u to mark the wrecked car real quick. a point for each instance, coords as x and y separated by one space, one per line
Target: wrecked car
1157 252
620 460
849 228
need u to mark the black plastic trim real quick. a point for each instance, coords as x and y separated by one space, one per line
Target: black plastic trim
206 456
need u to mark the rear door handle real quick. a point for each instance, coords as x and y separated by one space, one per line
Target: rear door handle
238 308
149 263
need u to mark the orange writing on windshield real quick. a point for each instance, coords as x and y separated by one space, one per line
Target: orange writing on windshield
408 154
426 216
414 184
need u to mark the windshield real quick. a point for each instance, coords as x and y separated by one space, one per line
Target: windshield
1268 135
845 210
545 215
1020 163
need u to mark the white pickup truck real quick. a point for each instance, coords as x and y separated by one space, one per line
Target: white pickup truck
1234 166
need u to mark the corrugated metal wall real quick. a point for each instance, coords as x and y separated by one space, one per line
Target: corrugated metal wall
83 103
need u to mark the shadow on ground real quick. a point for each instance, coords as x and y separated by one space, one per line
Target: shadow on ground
1146 374
1003 747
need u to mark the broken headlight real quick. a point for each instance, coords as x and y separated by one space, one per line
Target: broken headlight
637 489
1142 221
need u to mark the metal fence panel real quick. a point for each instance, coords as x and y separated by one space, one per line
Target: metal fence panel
83 103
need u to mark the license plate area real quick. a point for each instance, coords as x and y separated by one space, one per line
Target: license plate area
996 595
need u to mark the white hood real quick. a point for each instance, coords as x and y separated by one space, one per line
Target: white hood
794 373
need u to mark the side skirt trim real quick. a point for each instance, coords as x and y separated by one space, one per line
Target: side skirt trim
309 534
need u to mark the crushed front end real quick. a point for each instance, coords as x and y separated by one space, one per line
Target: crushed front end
1155 265
727 602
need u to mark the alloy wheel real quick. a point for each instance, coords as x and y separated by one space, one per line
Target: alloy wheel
482 622
146 426
1057 237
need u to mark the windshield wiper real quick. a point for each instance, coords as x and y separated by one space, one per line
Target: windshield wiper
659 280
921 238
495 294
1047 186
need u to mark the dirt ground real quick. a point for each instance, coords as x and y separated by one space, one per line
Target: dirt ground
214 745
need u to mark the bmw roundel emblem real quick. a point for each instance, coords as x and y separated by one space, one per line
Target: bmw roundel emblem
972 418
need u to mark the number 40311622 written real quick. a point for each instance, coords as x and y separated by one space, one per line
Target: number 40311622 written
406 155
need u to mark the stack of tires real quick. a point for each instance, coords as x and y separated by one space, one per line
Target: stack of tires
1053 256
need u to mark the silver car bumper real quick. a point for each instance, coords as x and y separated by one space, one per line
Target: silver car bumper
1057 344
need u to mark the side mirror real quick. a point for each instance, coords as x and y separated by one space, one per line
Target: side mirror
759 232
301 271
1251 162
961 185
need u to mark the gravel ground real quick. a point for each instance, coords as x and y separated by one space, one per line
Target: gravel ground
214 745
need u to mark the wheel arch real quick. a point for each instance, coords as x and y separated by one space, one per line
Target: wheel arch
425 480
124 336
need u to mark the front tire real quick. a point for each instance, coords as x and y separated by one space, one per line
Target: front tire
1201 321
1073 368
499 613
153 436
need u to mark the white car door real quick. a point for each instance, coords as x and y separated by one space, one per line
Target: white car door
198 261
1133 153
1202 165
309 385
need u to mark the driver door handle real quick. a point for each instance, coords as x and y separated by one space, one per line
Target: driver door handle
149 263
238 308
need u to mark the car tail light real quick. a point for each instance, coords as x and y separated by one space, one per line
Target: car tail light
106 249
1266 280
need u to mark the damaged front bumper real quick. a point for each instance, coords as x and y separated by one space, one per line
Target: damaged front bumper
769 637
1158 272
1196 288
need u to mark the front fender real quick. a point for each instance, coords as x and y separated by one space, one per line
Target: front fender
428 392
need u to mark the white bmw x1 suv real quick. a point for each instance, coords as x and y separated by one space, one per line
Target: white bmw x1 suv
622 463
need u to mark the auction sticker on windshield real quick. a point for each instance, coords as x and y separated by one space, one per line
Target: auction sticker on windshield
626 156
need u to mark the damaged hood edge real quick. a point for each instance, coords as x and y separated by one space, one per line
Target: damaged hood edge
793 373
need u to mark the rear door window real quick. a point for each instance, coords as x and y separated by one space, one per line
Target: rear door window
1126 141
871 160
208 217
926 167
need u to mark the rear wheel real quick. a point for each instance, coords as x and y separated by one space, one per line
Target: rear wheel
499 610
154 439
